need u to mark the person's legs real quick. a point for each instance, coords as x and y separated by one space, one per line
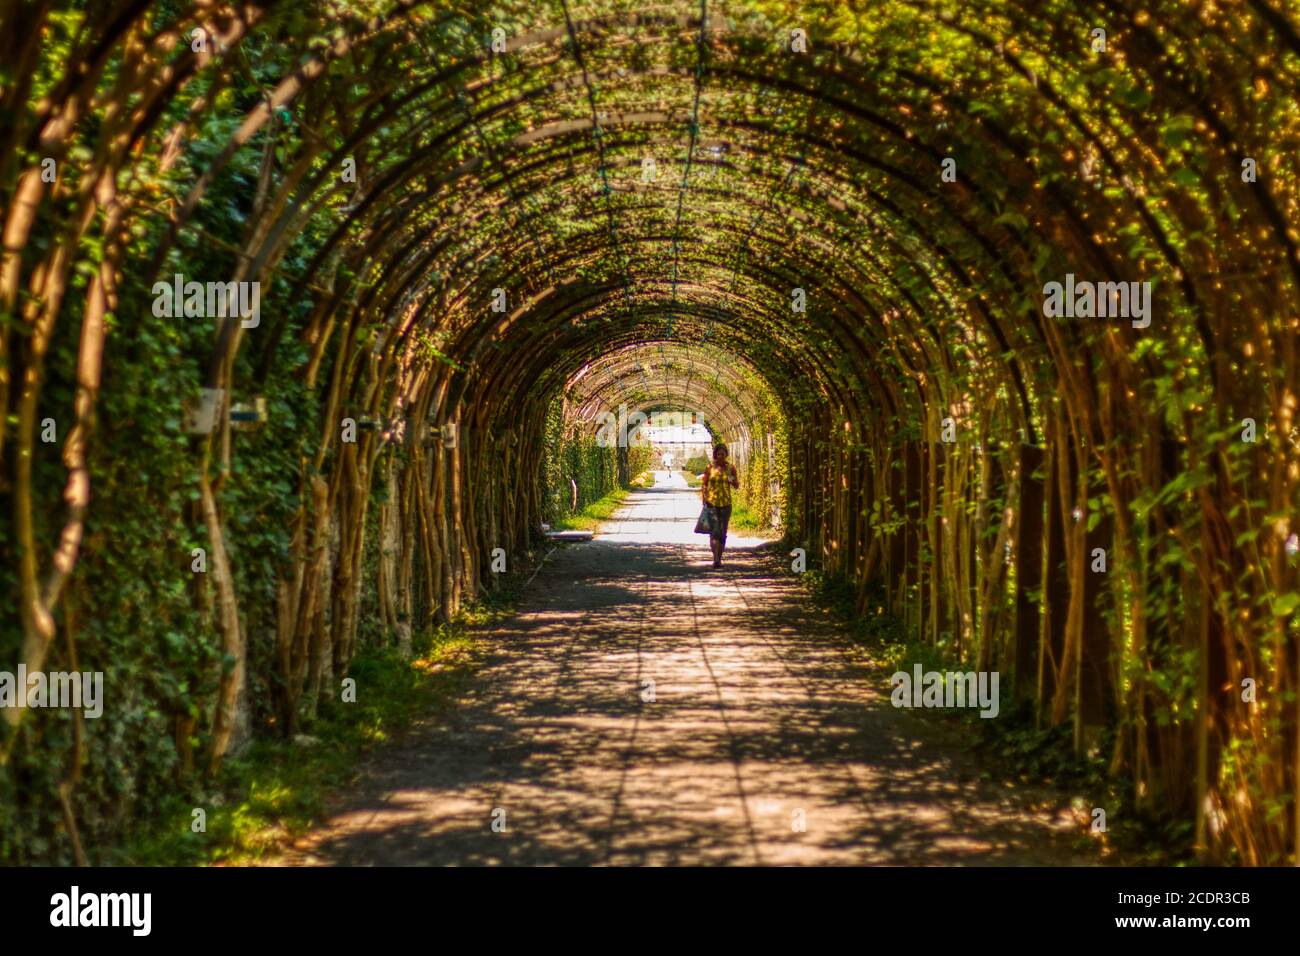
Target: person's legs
718 539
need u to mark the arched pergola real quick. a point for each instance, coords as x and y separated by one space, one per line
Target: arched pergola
829 226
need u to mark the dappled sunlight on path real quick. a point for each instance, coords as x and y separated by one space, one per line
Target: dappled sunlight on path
646 709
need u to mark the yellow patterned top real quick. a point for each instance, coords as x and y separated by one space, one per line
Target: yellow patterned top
717 485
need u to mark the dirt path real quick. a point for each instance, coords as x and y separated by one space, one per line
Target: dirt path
760 718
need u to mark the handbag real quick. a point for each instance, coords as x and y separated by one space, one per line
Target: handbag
704 523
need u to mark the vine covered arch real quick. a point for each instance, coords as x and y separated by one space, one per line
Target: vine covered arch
830 226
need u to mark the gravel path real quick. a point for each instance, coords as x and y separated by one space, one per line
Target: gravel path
761 740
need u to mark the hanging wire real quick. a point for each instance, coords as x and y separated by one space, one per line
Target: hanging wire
700 52
598 136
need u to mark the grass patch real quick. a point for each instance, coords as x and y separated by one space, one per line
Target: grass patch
742 519
692 479
591 517
278 789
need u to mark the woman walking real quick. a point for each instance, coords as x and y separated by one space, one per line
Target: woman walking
715 488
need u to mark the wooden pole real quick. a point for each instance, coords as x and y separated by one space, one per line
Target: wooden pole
1029 569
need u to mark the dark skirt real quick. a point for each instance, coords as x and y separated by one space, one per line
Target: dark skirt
721 518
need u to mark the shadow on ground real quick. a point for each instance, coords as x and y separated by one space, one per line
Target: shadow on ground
644 708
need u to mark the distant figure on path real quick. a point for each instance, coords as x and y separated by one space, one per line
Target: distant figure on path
715 488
